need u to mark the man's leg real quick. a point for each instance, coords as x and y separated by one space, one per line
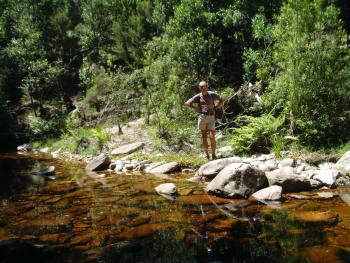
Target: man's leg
212 143
205 143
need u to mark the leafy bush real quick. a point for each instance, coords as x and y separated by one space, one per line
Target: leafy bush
258 133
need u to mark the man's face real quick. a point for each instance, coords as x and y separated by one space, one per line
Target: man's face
203 88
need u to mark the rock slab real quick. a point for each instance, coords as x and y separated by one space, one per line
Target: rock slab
99 163
127 149
166 168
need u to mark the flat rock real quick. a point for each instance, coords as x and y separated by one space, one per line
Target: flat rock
212 168
166 168
316 217
129 148
291 182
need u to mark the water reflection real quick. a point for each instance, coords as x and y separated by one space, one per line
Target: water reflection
16 174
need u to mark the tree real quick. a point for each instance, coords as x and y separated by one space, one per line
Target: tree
312 62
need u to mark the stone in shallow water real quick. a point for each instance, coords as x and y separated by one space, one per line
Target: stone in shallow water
167 189
273 192
316 217
202 200
143 231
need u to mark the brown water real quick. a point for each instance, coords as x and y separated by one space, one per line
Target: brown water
120 218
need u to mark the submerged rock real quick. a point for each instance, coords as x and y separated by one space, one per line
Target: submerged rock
315 217
237 180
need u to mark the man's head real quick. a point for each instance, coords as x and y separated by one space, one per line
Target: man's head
203 87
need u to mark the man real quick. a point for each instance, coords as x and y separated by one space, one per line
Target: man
205 101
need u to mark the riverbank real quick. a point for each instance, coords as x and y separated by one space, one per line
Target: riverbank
134 150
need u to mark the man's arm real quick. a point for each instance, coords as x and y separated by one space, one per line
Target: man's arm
189 104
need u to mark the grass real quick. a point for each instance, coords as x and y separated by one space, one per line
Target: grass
185 160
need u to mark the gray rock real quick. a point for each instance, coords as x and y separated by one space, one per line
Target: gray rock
327 177
288 162
291 182
212 168
343 165
195 179
119 167
24 148
272 193
224 151
127 149
44 150
324 166
99 163
112 166
268 166
237 180
166 168
167 189
152 166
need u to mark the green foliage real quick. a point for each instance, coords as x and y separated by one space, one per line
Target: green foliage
258 134
88 141
312 82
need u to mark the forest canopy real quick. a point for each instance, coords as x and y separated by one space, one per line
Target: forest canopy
111 61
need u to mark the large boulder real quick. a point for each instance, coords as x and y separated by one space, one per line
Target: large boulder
237 180
343 165
127 149
212 168
166 168
99 163
291 182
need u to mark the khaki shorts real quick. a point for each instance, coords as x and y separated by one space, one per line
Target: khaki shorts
206 122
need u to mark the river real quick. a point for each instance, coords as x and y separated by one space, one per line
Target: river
76 217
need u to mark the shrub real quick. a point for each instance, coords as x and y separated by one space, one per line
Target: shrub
258 133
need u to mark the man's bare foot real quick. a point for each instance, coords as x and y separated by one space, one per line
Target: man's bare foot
214 157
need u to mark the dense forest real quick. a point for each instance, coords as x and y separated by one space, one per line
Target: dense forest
66 64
